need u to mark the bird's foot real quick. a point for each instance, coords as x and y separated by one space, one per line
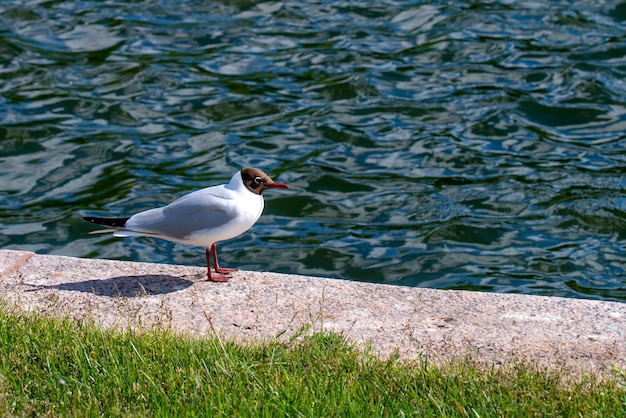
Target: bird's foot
225 270
217 277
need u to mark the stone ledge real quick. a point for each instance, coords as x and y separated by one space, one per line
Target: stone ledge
574 335
11 261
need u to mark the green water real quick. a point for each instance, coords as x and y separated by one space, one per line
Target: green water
466 145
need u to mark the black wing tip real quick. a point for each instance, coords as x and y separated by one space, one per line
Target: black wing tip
115 222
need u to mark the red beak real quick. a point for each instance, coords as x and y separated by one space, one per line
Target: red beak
277 185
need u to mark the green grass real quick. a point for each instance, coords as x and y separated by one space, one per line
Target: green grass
66 368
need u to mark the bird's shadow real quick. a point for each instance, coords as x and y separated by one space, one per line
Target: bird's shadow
126 286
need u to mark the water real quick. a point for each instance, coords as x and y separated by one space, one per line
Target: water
465 145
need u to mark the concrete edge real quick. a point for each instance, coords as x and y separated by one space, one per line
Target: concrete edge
574 336
11 261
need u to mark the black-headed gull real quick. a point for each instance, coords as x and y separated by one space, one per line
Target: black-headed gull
203 217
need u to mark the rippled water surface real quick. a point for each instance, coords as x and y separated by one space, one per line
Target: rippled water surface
457 144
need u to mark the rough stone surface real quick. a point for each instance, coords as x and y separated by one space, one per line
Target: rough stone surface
573 335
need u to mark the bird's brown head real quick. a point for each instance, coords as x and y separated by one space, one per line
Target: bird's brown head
257 181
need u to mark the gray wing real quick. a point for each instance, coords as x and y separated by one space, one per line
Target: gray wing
191 213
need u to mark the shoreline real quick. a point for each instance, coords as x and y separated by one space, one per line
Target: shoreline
574 336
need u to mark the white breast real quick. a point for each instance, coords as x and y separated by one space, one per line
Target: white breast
243 212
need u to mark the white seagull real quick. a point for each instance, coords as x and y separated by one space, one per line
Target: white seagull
201 218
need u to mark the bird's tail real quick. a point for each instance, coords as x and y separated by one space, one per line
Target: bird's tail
113 222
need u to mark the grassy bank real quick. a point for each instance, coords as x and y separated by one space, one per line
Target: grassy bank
60 367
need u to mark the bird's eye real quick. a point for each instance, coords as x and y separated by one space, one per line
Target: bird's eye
258 180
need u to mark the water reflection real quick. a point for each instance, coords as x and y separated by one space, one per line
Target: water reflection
450 145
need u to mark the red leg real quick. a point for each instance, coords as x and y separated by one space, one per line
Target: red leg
215 277
219 269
